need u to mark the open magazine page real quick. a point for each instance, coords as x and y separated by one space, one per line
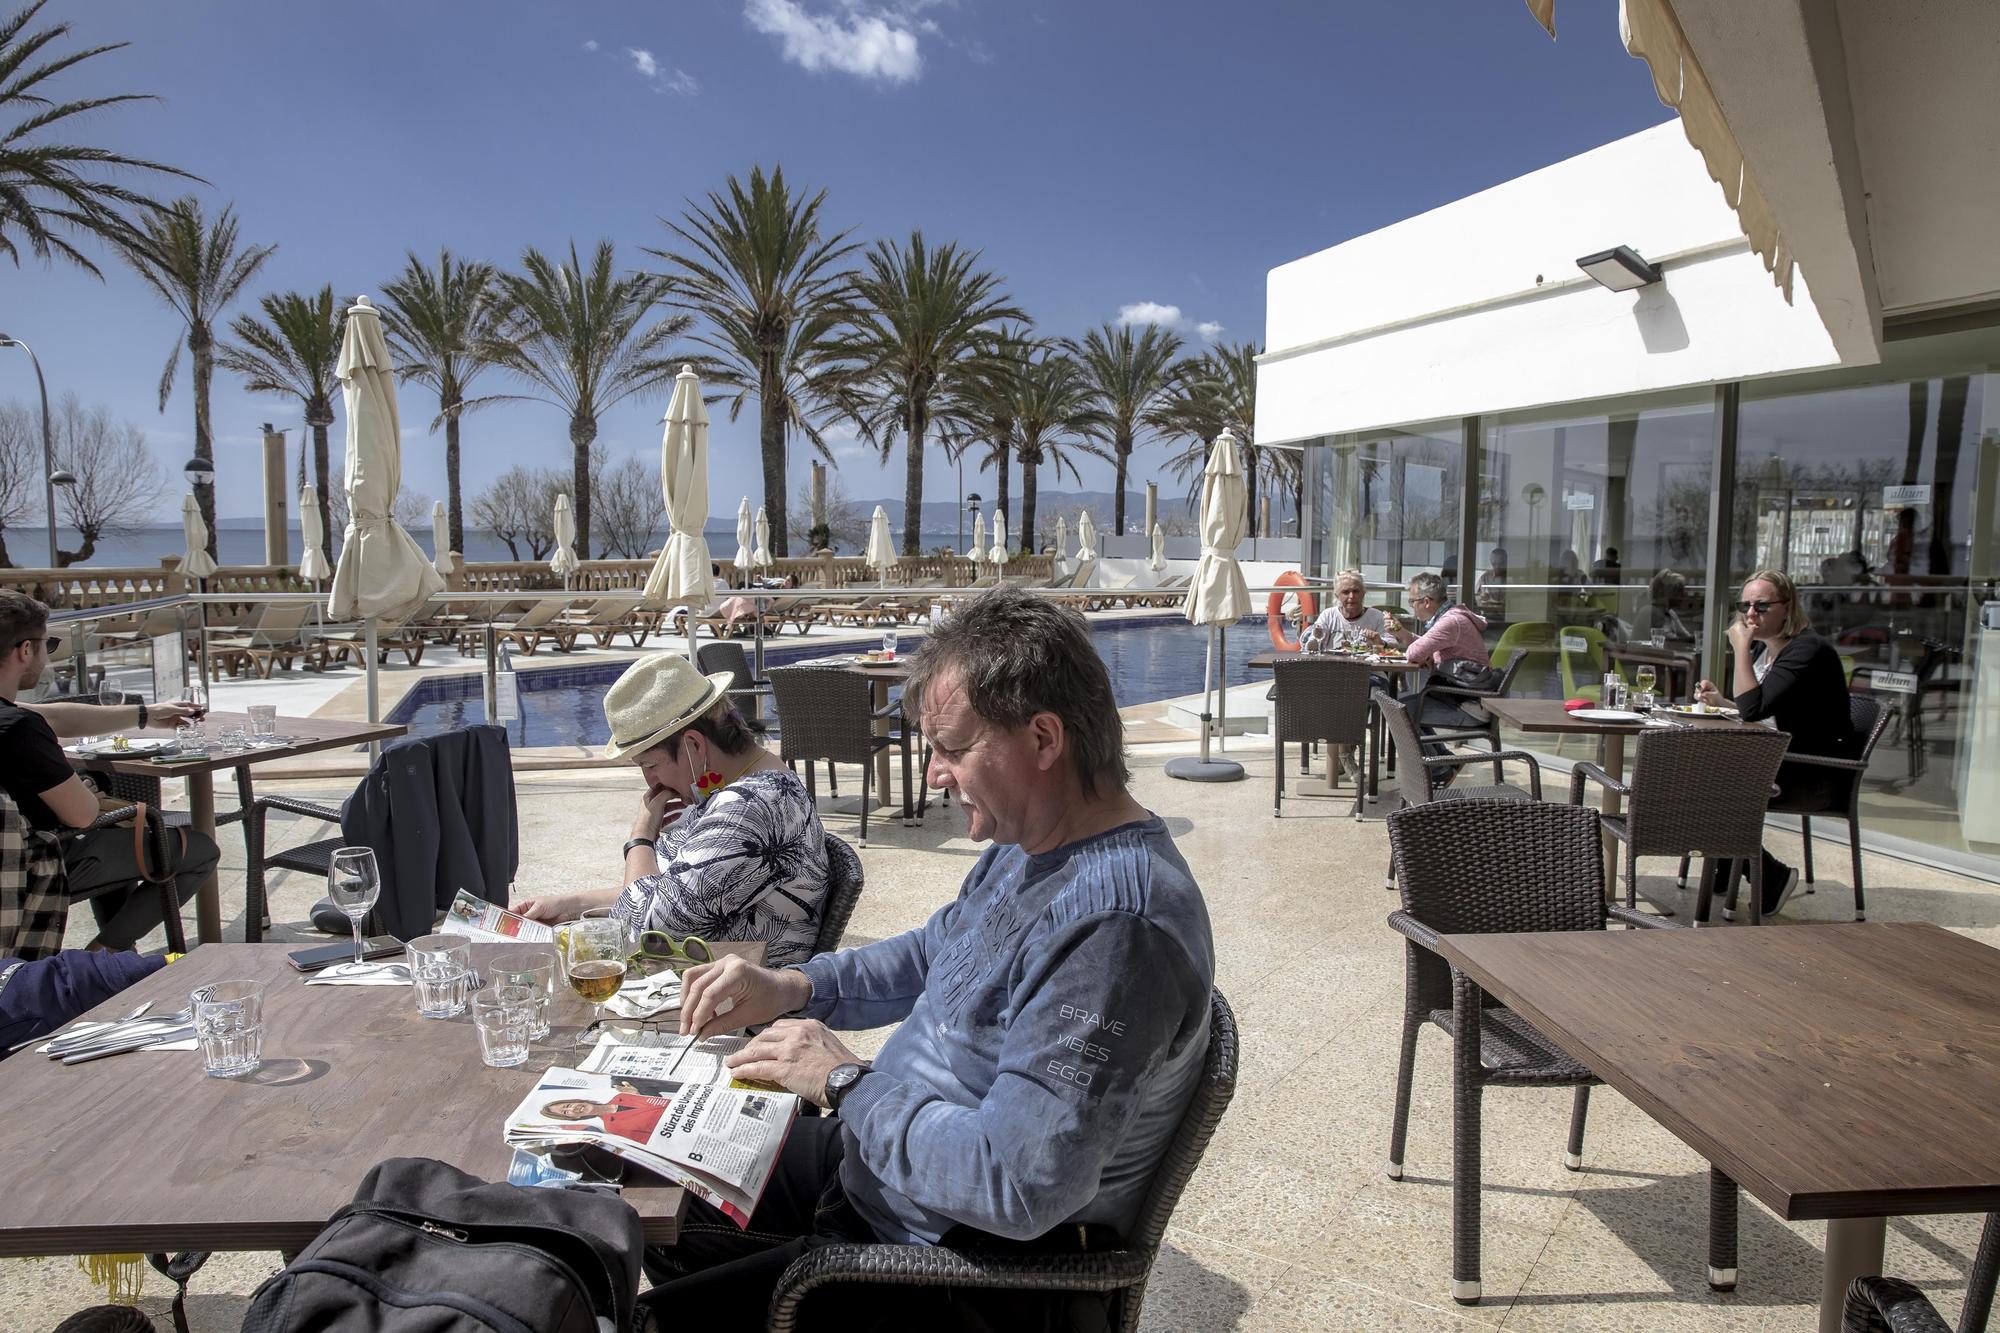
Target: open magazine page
721 1143
477 919
664 1056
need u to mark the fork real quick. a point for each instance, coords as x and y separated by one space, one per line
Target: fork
119 1033
76 1032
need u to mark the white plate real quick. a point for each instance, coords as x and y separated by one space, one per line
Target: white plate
137 745
1607 715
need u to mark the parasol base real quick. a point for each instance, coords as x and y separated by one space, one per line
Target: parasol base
1189 768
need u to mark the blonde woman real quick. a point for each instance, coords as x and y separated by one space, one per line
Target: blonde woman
1782 670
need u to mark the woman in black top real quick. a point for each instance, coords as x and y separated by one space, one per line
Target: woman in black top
1785 672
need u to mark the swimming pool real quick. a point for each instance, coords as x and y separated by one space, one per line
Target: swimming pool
1152 658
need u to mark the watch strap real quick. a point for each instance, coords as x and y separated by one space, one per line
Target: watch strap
630 843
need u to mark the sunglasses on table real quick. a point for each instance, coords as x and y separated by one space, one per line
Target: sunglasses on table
658 949
1744 608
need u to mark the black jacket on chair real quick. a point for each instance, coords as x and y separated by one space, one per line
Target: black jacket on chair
439 812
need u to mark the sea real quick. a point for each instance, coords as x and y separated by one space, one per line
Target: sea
28 546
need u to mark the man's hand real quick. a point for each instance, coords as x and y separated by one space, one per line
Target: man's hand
731 993
796 1054
168 714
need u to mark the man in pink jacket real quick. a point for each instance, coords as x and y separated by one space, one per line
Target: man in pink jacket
1446 634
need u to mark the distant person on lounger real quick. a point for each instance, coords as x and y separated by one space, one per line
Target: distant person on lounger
726 844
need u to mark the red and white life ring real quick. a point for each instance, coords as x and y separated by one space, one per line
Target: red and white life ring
1275 611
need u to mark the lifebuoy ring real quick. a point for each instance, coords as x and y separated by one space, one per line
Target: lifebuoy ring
1274 609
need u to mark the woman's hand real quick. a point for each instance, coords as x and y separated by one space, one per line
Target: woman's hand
1738 634
657 808
1711 696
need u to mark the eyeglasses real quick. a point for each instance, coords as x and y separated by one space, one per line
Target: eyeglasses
1744 608
657 949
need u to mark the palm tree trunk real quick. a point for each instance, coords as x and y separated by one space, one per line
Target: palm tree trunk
913 477
1952 396
582 433
1913 448
6 561
319 422
771 441
201 346
1250 488
1000 488
1122 447
456 515
1028 542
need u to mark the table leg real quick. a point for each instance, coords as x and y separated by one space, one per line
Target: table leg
880 697
208 899
1853 1249
1611 757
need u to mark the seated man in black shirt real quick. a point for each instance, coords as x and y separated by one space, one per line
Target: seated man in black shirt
102 865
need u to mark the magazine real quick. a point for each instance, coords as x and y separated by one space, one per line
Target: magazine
477 919
721 1143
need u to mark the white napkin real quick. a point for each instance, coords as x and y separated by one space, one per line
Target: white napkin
644 998
79 1029
362 974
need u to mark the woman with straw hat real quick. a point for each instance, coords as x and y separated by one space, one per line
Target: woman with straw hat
727 844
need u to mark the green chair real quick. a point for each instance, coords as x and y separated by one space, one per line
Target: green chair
1581 641
1537 638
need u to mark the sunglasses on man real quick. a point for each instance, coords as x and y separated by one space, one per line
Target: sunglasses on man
53 642
1744 608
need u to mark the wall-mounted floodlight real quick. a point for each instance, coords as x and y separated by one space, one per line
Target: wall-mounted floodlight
1620 269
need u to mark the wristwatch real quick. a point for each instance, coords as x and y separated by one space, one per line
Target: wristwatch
841 1081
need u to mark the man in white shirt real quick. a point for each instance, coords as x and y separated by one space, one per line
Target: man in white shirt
1346 623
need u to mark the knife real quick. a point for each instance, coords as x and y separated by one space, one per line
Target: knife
129 1045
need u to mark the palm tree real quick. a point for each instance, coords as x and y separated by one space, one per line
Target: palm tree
50 192
984 405
1205 394
927 327
441 324
575 334
1054 412
295 351
198 270
773 291
1127 375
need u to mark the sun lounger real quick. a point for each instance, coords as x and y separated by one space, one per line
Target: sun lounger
345 645
278 639
539 623
610 617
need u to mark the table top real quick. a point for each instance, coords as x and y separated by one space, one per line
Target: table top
309 734
144 1153
1844 1070
1548 715
1264 661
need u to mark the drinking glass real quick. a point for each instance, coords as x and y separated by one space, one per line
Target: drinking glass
439 967
1644 677
1660 639
264 724
231 737
354 882
535 971
229 1023
594 957
504 1015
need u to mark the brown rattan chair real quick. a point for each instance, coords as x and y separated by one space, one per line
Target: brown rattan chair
1693 791
1891 1305
1473 722
1123 1271
1414 767
1322 699
1492 867
826 713
843 890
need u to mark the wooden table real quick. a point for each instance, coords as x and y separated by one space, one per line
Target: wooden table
308 735
1390 667
144 1153
1847 1072
1549 717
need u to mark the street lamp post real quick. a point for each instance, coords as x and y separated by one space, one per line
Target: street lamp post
51 477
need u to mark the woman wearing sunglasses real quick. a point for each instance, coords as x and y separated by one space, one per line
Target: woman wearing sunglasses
1782 670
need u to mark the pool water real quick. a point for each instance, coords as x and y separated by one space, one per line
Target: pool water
1155 658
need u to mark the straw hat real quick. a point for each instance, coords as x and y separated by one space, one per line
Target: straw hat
655 698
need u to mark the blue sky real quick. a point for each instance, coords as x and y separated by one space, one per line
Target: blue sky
1106 155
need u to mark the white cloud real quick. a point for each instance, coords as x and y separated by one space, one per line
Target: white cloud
642 60
590 45
869 44
1167 317
680 81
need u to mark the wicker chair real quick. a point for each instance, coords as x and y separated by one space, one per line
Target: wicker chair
825 713
843 891
1123 1271
1890 1305
1479 724
1693 791
1414 767
1502 866
1318 699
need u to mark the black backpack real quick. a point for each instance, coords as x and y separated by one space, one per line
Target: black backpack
426 1248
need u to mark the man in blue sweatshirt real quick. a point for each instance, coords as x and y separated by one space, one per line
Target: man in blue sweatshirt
1054 1016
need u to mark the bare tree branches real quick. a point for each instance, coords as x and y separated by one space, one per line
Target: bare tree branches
117 481
630 507
20 470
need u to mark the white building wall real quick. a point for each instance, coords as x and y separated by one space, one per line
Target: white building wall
1478 306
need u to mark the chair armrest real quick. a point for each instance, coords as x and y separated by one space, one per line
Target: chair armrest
107 819
1404 924
331 814
894 708
1639 920
1488 757
1882 1304
1460 691
935 1266
1582 771
1826 761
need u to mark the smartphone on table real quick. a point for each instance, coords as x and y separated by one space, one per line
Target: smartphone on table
326 955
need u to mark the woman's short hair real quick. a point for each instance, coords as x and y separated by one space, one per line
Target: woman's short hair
1017 655
1428 586
1347 576
723 727
1796 619
1666 587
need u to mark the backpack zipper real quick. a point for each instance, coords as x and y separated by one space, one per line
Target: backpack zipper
449 1233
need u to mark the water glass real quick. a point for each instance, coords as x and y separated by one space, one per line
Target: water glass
1660 639
264 724
440 966
231 737
188 736
534 970
229 1023
504 1015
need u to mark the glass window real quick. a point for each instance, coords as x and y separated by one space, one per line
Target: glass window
1389 503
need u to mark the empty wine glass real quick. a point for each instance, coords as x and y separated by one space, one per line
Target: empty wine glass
354 882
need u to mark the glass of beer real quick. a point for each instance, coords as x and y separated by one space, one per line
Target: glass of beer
594 953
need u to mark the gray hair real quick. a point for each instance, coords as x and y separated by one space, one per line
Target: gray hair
1017 655
1430 587
1347 576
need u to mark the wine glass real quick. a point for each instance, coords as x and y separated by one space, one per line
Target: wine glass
1645 678
354 882
594 960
